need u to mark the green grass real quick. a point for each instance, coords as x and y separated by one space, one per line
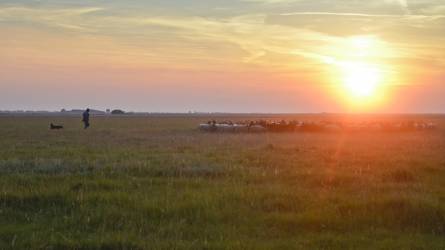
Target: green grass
158 183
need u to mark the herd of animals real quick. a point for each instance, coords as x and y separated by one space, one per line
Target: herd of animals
314 126
259 126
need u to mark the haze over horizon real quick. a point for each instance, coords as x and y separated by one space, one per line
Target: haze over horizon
239 56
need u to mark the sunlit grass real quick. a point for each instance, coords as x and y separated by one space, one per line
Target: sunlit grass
157 183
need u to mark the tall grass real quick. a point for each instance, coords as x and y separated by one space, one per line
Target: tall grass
157 183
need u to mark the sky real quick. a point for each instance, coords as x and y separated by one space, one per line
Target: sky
279 56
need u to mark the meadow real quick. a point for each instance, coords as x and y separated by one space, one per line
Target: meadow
159 183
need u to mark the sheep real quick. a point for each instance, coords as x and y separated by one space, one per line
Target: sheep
311 126
430 125
225 128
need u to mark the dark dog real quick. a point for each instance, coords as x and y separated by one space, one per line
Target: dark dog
52 126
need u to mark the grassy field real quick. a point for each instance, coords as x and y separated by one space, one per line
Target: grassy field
158 183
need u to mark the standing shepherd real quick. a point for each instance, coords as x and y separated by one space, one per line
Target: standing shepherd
86 118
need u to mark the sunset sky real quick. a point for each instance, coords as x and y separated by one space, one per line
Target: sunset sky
224 55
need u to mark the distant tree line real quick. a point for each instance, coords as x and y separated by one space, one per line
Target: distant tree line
117 112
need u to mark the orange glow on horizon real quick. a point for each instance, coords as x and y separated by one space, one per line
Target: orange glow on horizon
336 59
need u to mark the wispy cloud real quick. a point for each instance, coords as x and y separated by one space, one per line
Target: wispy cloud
362 15
434 10
336 14
67 18
244 39
403 4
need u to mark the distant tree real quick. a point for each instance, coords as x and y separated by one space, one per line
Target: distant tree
117 112
63 110
108 110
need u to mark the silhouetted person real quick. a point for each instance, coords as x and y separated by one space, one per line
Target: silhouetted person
86 118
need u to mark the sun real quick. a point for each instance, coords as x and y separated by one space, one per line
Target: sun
357 71
360 80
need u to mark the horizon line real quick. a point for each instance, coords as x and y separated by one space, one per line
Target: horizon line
67 112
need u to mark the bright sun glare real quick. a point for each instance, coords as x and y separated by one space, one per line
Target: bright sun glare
361 78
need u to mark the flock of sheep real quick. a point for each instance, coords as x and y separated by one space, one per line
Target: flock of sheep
312 126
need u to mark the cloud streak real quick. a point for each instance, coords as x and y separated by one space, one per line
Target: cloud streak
295 41
344 14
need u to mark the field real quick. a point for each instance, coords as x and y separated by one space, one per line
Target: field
158 183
